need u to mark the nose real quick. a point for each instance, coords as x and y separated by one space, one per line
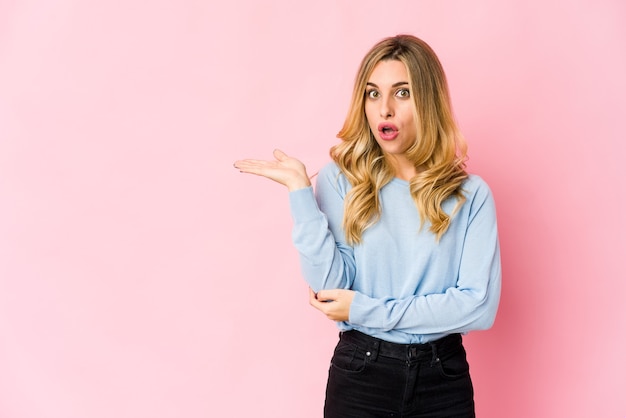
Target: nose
386 108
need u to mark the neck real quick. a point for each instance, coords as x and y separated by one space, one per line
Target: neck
402 167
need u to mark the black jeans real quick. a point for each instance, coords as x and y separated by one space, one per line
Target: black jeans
370 378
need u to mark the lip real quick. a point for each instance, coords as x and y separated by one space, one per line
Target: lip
387 131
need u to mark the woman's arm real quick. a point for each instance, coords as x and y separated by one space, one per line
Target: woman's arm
470 305
285 170
326 263
326 260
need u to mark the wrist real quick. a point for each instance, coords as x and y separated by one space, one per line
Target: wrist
299 184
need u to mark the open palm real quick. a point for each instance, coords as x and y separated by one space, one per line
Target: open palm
285 170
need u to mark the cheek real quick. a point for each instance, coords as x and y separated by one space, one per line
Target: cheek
409 118
369 117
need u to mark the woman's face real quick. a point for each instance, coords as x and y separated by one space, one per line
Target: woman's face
389 108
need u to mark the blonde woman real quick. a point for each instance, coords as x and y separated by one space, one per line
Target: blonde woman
398 243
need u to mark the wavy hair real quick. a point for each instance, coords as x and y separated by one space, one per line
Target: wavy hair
438 153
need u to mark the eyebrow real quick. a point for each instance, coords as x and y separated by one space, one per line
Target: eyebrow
398 84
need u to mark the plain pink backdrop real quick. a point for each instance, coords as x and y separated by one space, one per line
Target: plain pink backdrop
142 276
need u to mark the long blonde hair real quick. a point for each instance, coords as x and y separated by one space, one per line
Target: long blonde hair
439 150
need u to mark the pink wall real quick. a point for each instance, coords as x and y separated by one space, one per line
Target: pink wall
142 276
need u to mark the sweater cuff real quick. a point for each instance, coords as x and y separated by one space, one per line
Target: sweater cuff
303 205
361 312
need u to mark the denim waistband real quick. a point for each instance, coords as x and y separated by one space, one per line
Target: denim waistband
375 346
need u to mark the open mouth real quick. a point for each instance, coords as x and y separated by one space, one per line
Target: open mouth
387 131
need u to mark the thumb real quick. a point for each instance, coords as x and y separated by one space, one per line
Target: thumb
326 295
279 155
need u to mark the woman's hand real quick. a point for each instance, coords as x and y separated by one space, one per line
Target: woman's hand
335 303
285 170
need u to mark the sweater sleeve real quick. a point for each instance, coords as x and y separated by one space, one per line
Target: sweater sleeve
470 305
326 262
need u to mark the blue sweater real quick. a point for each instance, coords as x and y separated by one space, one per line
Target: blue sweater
409 287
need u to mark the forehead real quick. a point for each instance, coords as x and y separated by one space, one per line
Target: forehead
388 72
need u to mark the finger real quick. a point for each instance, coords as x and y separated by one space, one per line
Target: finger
250 163
316 304
279 155
326 295
242 164
253 166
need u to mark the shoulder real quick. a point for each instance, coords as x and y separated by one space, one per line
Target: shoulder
331 175
475 185
331 169
477 193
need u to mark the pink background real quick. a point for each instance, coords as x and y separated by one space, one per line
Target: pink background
142 276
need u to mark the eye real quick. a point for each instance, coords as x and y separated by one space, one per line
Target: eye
372 94
403 93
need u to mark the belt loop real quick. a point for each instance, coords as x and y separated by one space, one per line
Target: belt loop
372 352
435 359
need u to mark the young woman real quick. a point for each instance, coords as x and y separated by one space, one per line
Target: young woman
398 244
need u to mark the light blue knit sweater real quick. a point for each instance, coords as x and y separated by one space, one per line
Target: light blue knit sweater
409 287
